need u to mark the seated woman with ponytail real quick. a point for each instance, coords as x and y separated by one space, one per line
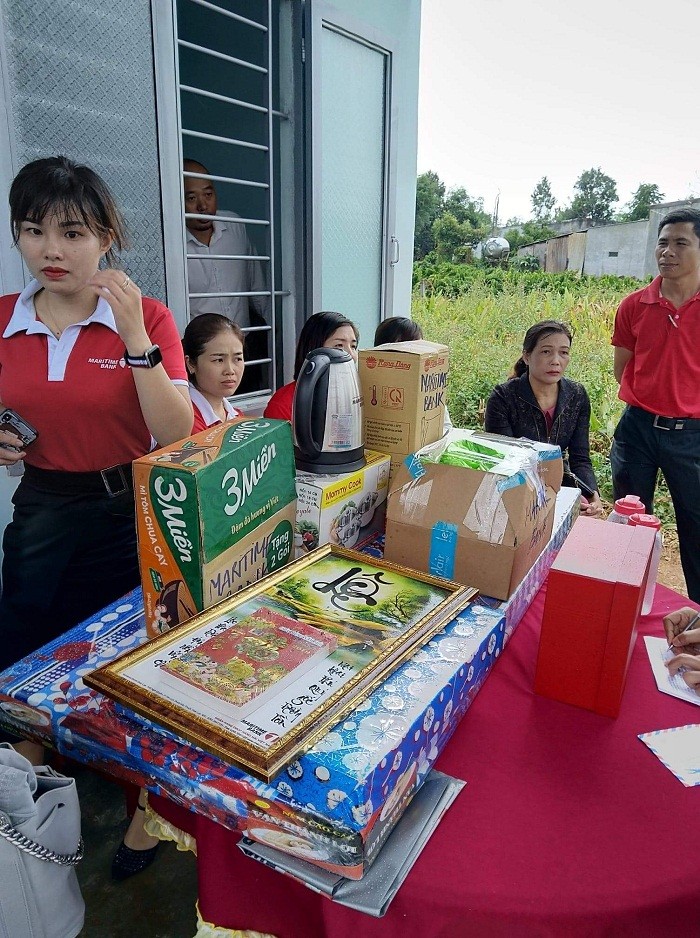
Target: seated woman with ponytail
539 403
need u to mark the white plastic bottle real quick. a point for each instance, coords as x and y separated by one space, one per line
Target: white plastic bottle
650 521
625 507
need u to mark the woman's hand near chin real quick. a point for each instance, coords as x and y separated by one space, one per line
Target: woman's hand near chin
124 298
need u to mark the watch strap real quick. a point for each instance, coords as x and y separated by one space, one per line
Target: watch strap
150 358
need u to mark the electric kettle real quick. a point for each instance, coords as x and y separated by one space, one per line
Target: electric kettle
327 414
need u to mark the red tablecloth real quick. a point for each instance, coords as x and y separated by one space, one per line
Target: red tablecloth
568 826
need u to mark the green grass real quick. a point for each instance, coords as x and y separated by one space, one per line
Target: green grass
483 319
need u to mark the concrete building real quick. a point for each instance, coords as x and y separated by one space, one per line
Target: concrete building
625 249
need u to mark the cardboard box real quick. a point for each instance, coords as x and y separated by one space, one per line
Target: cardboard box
481 527
215 512
346 509
404 386
550 465
566 511
344 794
594 594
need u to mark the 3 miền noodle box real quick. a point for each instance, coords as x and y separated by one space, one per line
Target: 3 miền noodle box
473 509
404 387
215 512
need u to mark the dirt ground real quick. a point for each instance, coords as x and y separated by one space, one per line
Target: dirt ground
670 571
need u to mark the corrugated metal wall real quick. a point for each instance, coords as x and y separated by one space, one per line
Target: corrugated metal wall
576 250
556 254
80 75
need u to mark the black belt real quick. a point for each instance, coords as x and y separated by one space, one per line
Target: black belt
675 423
113 481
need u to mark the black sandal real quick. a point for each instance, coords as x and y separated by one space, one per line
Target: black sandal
128 862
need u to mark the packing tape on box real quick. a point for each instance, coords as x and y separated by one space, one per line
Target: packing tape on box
532 471
487 516
414 466
443 547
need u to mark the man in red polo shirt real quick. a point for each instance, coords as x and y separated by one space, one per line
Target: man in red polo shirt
657 340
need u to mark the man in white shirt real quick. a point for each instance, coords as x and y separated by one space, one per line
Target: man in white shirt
208 238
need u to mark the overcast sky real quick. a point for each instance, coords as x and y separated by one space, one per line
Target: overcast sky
512 91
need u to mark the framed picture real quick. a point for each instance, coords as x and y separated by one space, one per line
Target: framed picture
260 677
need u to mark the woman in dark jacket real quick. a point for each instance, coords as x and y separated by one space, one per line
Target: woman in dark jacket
539 403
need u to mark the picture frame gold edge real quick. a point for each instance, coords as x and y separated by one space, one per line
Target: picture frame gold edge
267 763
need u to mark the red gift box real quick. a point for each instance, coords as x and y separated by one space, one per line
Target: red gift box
594 593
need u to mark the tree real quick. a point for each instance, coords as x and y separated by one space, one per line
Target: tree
449 236
646 195
527 233
454 239
543 200
595 195
465 209
430 194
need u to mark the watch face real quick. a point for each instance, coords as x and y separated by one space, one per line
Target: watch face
154 356
150 358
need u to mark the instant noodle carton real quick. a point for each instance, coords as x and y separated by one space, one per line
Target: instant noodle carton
215 512
346 509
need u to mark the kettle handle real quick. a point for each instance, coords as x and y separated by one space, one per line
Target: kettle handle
303 399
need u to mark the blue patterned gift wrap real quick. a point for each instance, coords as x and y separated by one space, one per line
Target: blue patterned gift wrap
345 794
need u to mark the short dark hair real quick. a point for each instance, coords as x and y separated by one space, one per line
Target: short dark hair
315 331
679 216
397 329
540 330
58 185
205 327
187 165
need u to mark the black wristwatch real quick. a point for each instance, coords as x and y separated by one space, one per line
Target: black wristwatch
150 358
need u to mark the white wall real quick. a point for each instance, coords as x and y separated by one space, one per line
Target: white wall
616 249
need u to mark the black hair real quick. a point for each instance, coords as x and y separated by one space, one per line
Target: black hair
188 169
397 329
315 331
57 185
202 329
533 335
681 215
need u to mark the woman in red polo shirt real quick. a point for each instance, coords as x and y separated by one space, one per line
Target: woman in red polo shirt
213 347
98 371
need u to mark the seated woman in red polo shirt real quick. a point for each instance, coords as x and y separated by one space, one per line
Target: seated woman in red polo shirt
213 347
539 403
322 330
98 370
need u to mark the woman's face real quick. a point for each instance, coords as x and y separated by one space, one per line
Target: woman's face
343 338
61 252
217 372
549 359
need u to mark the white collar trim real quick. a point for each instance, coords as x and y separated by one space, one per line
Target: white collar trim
206 410
24 318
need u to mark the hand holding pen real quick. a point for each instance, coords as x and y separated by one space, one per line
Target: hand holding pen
682 629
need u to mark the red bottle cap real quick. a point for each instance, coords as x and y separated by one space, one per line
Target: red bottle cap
645 521
629 505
